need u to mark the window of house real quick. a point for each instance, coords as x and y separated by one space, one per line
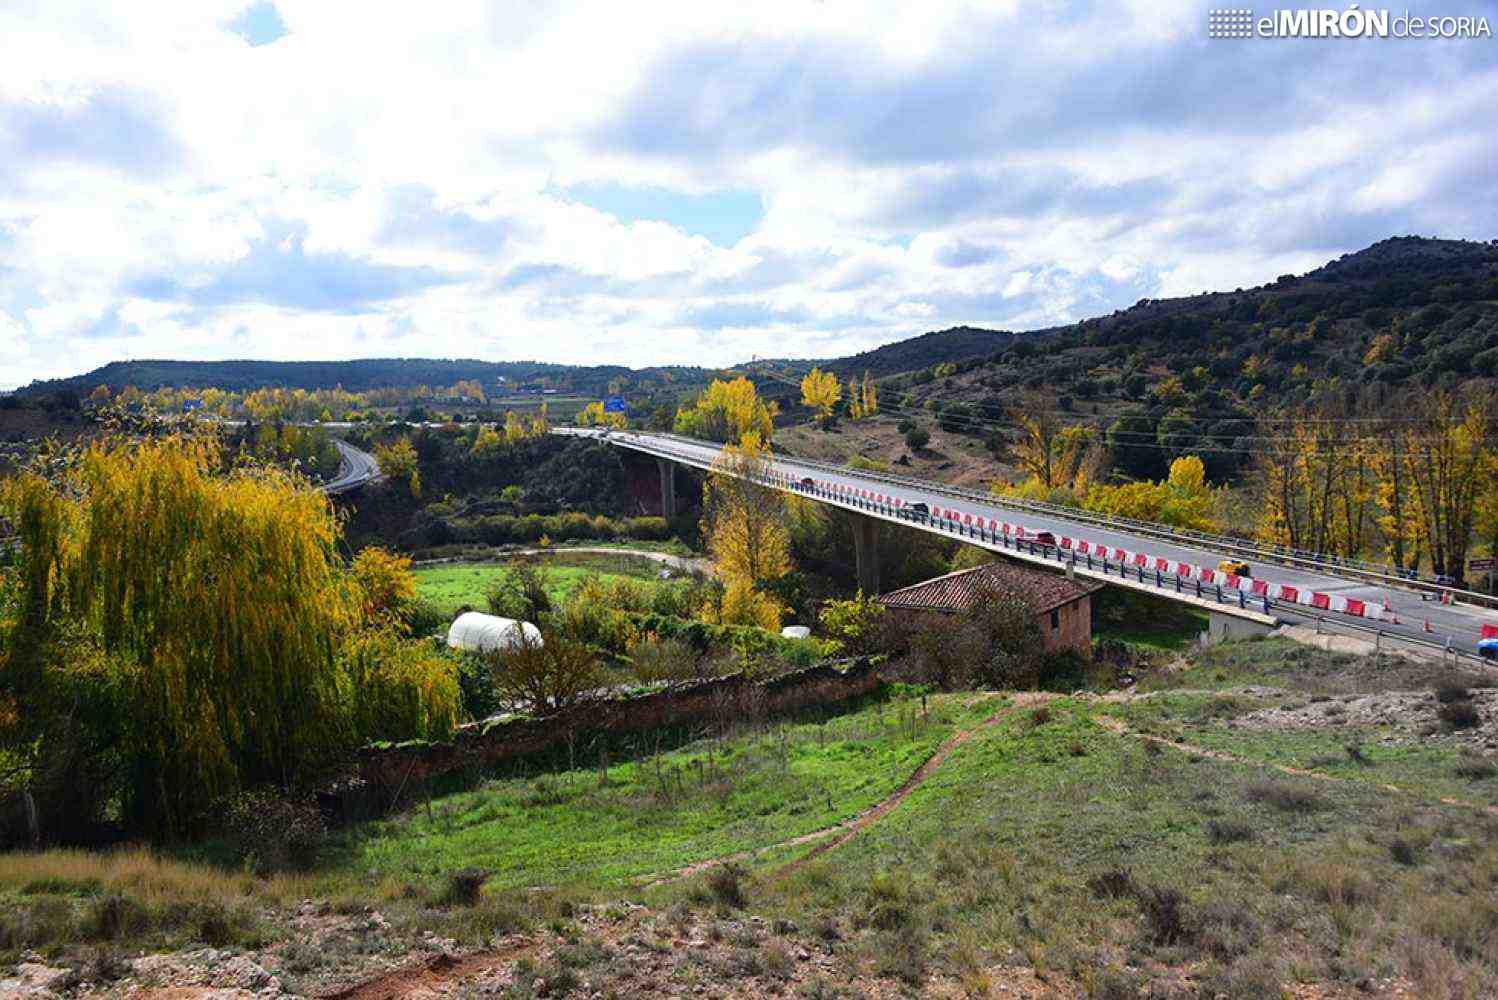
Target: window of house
1055 619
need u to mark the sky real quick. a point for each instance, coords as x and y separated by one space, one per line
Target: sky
687 183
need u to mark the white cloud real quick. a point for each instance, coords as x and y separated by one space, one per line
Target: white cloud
377 182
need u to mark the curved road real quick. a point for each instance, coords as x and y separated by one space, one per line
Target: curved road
1460 623
356 469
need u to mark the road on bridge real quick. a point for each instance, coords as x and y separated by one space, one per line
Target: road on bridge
356 468
1411 611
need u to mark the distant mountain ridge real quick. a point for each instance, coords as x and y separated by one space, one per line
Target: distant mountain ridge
1356 298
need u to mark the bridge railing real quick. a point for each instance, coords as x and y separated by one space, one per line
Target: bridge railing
1169 583
1228 544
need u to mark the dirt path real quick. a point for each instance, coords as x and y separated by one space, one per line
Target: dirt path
1118 727
426 978
845 831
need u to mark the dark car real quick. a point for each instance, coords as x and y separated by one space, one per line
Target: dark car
919 511
1044 538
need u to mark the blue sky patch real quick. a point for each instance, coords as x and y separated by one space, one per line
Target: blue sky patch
722 217
259 23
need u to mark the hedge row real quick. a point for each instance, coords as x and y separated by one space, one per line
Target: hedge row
498 529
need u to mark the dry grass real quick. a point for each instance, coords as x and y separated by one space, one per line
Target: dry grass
143 875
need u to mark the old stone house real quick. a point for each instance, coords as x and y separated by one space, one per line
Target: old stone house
1062 605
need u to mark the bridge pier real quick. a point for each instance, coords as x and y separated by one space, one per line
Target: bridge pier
668 487
1224 628
866 552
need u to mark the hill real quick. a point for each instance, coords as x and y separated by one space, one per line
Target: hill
355 376
1191 374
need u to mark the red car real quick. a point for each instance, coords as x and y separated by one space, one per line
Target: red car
1044 538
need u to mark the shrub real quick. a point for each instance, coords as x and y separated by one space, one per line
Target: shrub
1446 694
400 688
856 624
1459 714
1228 831
1115 883
726 883
1475 766
1285 796
463 887
520 592
663 660
917 438
545 676
1164 910
270 832
647 529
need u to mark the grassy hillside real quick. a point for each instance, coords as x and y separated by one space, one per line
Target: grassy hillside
1197 837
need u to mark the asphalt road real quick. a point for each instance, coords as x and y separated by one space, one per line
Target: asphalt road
1459 622
357 468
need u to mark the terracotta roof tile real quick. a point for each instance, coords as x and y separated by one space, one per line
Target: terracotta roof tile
958 591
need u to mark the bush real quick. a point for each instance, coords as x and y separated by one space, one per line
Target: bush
647 529
917 438
1459 715
271 832
726 883
658 660
1475 767
520 592
1448 693
545 676
1285 797
463 887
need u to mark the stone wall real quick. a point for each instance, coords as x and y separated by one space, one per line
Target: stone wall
389 769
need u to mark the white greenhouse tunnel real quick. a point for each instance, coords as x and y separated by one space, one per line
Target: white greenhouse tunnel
474 630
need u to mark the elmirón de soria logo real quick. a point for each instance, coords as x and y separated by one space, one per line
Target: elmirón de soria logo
1350 22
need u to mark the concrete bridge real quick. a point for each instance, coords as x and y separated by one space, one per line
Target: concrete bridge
1178 566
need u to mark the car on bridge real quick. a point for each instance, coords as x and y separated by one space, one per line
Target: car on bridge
807 482
1487 646
1044 538
1234 567
919 512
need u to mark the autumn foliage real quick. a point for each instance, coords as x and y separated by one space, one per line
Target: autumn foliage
207 622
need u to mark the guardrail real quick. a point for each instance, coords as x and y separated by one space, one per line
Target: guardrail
1382 635
1277 555
1229 599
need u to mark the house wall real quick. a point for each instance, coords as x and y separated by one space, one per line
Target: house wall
1074 629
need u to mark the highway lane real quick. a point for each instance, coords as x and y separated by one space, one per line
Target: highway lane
1410 612
356 468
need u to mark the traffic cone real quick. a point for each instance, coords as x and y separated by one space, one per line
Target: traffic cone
1427 626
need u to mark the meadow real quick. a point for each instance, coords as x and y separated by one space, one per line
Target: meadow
451 586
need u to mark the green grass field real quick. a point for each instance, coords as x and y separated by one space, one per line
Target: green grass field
658 813
454 585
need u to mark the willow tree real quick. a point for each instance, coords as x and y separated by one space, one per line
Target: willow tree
217 606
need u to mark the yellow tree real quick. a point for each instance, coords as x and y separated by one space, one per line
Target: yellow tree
486 442
728 412
398 463
744 523
594 415
383 582
855 400
1451 467
820 391
870 396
